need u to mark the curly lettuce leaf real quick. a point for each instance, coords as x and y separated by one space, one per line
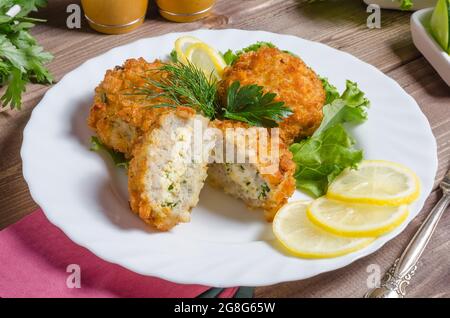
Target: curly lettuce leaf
331 149
350 107
406 4
117 157
322 158
230 57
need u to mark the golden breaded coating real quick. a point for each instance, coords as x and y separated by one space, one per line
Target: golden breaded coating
287 76
164 177
118 117
253 181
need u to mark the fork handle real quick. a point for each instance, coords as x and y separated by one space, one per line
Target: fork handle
420 240
399 275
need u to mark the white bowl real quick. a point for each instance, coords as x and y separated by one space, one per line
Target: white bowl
395 4
427 45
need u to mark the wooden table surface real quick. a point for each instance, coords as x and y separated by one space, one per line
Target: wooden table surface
340 24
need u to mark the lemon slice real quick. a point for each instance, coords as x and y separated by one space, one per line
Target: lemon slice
207 59
301 237
376 182
356 220
182 44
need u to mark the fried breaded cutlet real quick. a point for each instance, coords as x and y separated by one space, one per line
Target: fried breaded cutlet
164 184
164 176
118 117
290 78
265 182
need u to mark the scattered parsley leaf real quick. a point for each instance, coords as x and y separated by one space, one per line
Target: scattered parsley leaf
16 86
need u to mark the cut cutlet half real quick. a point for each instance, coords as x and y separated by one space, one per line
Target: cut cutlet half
265 182
168 168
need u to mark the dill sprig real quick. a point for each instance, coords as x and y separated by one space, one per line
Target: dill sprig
187 85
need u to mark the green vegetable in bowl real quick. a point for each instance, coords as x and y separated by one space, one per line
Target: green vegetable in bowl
440 24
21 58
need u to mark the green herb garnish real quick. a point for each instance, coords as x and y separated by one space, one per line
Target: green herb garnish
251 105
188 86
117 157
21 58
322 157
173 56
263 192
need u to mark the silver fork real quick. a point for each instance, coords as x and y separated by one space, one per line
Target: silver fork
399 275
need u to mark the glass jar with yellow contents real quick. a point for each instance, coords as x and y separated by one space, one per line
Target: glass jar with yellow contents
115 16
184 10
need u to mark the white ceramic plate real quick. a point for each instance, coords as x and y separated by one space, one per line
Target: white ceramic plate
425 43
225 244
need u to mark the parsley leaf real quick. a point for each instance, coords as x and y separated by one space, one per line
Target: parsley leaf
16 86
251 105
22 60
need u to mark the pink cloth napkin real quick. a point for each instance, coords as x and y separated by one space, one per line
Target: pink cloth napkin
34 259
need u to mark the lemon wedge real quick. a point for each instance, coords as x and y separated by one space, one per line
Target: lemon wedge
301 237
355 220
182 44
207 59
376 182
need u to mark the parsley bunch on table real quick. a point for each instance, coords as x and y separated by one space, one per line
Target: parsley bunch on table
22 60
